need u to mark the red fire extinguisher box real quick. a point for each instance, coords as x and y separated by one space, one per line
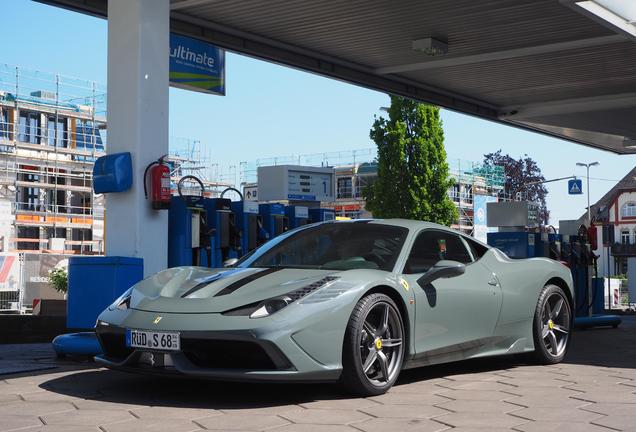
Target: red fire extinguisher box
94 283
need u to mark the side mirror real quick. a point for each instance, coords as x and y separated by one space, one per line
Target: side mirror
230 262
442 269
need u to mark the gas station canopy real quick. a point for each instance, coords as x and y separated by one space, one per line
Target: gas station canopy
564 68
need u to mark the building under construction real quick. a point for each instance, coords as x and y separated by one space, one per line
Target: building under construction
52 128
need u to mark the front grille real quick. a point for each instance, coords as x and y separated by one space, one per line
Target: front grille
226 354
114 345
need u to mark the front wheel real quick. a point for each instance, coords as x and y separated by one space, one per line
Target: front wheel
373 350
552 325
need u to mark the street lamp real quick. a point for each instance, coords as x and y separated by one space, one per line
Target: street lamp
587 166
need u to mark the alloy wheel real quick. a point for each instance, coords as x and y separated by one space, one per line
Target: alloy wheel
381 344
555 324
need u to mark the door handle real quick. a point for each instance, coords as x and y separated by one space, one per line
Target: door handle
493 281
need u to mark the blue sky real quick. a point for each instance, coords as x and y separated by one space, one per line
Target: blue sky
270 110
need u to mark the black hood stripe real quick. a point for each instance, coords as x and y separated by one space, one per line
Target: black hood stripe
251 278
207 281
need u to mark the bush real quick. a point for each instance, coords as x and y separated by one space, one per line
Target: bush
59 280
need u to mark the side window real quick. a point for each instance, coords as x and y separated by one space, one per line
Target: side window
432 246
478 250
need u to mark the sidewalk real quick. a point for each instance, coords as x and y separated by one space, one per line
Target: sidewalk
593 390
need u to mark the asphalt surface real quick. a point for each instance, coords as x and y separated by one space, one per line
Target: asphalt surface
593 390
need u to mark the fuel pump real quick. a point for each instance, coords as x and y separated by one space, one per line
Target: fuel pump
274 220
159 184
516 244
548 244
250 225
189 240
578 255
297 215
226 237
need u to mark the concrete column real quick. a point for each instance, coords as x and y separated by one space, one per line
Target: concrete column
138 54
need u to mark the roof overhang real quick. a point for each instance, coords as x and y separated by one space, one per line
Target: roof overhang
549 66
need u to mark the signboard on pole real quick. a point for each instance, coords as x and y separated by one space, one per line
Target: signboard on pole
480 216
575 187
196 65
296 183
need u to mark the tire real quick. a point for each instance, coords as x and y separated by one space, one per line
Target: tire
547 329
366 326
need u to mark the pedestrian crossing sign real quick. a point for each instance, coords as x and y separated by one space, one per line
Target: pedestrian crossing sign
575 187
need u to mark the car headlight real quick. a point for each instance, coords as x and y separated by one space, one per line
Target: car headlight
123 301
272 305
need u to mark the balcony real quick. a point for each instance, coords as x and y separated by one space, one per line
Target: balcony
623 249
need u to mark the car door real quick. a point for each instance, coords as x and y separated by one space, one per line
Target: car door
453 314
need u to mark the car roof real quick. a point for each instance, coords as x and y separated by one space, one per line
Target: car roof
405 223
411 225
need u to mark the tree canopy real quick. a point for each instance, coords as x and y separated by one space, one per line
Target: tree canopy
413 177
523 180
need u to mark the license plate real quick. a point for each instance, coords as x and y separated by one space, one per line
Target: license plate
153 340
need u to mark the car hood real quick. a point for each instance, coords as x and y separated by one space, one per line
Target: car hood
204 290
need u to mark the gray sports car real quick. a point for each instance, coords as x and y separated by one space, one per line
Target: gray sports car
348 301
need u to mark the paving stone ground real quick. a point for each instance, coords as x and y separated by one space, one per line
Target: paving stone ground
594 389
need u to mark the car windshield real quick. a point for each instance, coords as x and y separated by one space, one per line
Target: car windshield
332 246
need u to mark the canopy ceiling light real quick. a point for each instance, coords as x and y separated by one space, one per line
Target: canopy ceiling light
616 14
629 142
431 46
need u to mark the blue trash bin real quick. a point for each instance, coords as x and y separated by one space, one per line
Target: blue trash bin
94 283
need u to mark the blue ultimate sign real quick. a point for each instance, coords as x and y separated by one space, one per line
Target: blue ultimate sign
196 65
575 187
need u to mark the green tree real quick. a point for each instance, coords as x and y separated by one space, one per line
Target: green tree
523 180
413 178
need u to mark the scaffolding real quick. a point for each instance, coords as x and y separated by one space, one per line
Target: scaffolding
52 128
189 157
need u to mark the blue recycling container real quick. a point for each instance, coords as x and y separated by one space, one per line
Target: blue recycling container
94 283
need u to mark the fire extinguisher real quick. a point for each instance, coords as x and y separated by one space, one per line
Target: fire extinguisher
592 236
159 184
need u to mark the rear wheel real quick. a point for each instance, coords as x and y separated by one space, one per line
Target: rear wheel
552 325
373 350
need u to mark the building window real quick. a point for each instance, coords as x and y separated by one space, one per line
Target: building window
4 123
629 210
28 238
56 132
88 136
625 238
29 128
345 187
29 197
466 193
453 192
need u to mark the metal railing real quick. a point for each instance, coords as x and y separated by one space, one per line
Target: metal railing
51 209
85 141
349 192
623 249
10 301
